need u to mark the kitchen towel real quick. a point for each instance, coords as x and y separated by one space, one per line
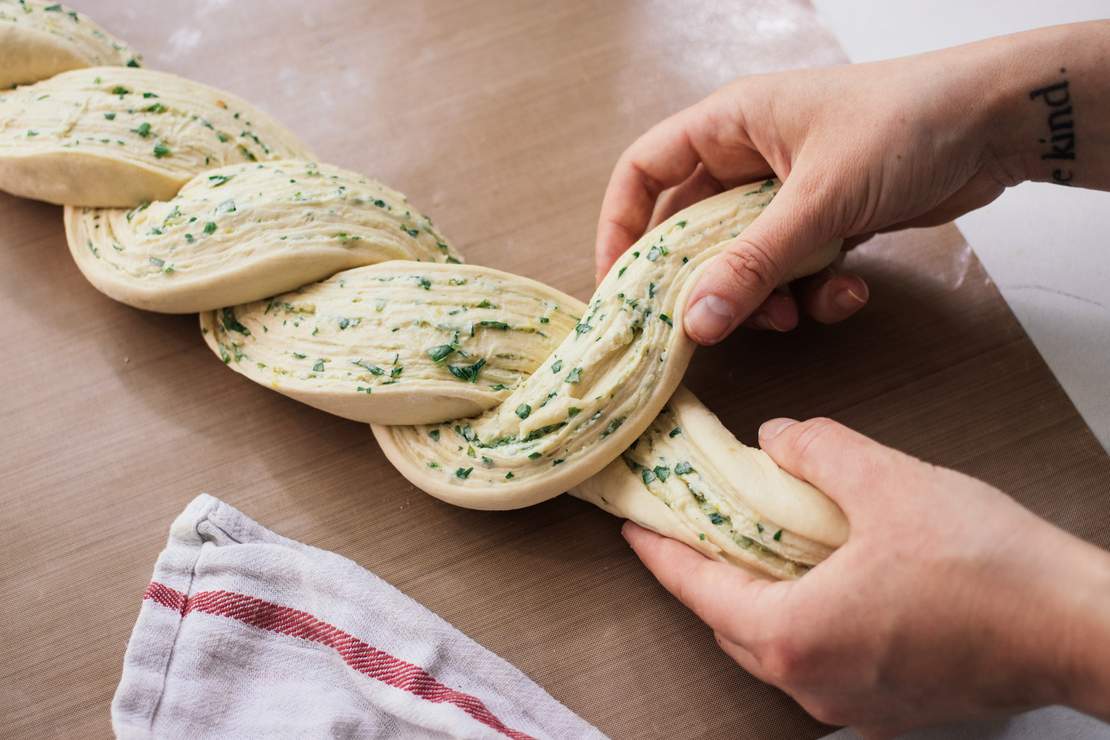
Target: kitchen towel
244 633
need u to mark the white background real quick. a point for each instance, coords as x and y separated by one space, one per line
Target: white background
1047 247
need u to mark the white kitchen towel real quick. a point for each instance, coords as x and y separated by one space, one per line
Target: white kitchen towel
243 633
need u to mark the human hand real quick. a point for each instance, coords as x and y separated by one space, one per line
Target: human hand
948 601
859 148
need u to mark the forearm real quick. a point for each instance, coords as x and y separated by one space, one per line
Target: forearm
1048 94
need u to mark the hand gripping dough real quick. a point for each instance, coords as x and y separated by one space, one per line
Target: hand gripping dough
686 477
245 232
118 136
405 342
41 39
603 385
560 395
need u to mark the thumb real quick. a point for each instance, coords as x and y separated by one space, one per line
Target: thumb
762 257
847 466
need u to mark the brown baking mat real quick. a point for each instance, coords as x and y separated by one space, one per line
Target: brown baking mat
501 120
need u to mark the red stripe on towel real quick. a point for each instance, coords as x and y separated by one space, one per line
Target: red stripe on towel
361 656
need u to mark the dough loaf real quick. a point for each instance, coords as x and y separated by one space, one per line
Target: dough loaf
485 389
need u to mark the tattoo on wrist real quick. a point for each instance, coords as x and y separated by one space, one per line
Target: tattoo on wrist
1060 141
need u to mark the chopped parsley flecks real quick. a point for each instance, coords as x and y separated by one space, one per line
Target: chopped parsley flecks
666 319
161 151
509 475
574 375
232 324
434 434
318 367
463 473
534 456
683 468
493 325
674 432
523 410
573 411
441 352
364 389
143 130
469 373
556 366
662 473
777 536
614 425
210 228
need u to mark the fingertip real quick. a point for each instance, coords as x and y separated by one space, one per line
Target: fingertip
709 319
778 313
771 428
836 297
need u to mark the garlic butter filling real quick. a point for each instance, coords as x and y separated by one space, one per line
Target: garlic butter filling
247 231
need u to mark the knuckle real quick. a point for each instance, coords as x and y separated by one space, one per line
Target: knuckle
787 659
810 434
828 712
751 265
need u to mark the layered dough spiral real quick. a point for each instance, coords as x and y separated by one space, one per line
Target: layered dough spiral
41 39
120 136
247 231
485 389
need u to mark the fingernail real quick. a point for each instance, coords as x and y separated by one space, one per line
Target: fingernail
763 320
849 300
624 530
772 428
710 318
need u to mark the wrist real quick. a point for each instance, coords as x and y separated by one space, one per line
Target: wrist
1085 630
1042 94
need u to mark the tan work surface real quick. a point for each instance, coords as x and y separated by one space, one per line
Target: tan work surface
502 121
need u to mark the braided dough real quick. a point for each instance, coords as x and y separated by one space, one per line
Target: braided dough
485 389
41 39
118 136
245 232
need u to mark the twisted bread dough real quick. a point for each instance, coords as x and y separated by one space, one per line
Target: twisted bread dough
485 389
118 136
245 232
41 39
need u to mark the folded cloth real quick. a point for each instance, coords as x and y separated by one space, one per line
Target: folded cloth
243 633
